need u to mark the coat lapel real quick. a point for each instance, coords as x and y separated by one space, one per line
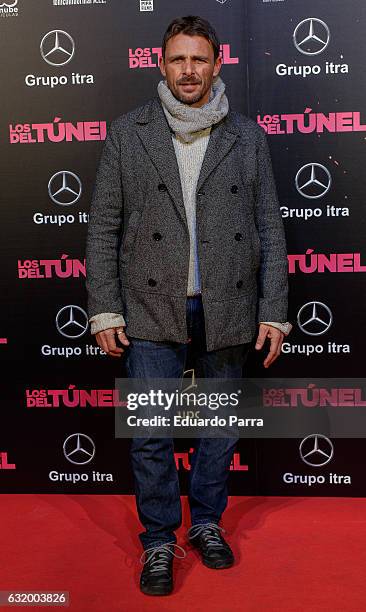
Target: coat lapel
222 138
155 135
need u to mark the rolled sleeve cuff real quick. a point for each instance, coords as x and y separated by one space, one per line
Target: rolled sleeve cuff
106 320
285 328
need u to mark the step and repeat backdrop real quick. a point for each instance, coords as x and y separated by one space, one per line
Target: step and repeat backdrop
69 68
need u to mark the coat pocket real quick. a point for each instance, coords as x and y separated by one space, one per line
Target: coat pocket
129 237
256 245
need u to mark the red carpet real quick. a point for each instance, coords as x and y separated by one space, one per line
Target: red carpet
293 554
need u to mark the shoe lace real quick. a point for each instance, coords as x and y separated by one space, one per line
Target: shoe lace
211 533
159 556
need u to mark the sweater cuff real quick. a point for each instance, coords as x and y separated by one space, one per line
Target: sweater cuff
106 320
285 328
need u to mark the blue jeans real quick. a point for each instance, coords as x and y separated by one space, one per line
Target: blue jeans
155 474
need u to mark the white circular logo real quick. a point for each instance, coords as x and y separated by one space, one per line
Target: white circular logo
314 318
64 188
311 36
57 48
313 181
316 450
79 449
72 321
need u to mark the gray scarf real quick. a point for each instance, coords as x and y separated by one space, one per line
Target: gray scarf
186 121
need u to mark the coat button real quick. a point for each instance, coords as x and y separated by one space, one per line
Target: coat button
239 284
151 282
162 187
157 236
238 236
234 189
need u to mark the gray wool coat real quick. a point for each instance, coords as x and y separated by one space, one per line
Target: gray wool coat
137 251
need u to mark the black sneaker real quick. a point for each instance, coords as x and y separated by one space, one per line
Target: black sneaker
215 552
157 574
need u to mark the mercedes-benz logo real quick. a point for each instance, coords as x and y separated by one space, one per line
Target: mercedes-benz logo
64 188
79 449
313 181
72 321
314 318
311 36
316 450
57 48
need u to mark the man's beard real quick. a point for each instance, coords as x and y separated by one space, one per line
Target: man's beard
190 101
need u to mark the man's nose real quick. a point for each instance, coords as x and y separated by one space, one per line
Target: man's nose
188 67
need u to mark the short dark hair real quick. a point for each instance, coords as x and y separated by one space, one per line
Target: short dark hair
192 25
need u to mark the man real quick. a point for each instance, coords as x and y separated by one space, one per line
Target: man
185 252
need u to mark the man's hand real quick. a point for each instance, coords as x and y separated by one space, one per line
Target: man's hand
107 340
276 338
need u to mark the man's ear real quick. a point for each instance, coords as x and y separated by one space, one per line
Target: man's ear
162 66
217 67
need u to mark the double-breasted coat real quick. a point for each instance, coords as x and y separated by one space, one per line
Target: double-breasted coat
137 252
